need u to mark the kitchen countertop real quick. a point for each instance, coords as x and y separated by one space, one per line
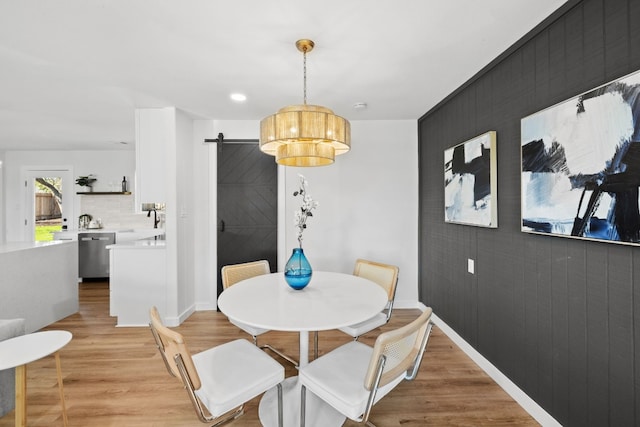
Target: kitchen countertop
98 230
140 244
122 234
20 246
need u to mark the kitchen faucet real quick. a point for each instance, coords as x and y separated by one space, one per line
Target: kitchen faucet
155 218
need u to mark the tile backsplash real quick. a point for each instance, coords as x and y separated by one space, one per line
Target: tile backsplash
115 211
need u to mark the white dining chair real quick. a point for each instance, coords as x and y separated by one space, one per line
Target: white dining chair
221 379
234 273
384 275
354 377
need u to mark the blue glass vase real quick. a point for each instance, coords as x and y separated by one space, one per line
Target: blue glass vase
297 271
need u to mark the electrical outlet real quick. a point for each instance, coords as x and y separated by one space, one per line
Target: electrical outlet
471 266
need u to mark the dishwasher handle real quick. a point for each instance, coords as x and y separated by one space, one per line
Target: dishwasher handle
88 239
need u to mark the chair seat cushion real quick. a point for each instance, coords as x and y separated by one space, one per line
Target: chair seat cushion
365 326
338 378
234 373
251 330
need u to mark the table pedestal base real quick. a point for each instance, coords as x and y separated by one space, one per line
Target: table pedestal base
318 413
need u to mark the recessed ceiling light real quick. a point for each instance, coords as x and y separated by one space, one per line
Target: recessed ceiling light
238 97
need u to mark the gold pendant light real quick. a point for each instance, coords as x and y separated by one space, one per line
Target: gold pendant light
305 135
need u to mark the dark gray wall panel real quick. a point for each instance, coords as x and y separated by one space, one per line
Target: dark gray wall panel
560 326
594 56
616 37
560 317
634 35
636 336
620 334
597 335
574 52
577 338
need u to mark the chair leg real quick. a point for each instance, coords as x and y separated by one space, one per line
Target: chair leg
315 345
280 421
281 354
276 351
303 404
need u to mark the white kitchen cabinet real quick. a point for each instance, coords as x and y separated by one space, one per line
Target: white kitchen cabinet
155 134
137 281
39 282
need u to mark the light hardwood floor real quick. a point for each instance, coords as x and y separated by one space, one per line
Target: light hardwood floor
115 377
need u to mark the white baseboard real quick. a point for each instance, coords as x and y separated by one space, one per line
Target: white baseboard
528 404
205 306
185 314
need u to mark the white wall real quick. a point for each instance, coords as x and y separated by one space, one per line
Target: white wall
108 166
2 199
116 211
368 204
204 215
185 197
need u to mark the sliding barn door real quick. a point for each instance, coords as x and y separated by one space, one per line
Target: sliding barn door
247 206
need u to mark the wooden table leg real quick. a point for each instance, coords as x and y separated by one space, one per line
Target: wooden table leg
21 396
61 389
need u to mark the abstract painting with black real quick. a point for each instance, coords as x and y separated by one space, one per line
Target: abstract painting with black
470 179
581 165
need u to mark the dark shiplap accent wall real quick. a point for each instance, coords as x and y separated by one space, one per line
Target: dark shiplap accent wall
560 317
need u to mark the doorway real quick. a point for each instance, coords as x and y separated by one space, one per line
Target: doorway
247 206
48 202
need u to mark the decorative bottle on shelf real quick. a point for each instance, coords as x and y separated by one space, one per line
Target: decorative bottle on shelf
297 271
124 184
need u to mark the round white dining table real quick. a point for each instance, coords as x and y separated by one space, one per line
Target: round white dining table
330 301
19 351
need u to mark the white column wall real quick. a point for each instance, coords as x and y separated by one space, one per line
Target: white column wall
204 216
185 196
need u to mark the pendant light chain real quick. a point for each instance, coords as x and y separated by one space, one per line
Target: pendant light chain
304 62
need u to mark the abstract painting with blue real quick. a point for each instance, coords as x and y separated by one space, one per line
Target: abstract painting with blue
470 182
581 165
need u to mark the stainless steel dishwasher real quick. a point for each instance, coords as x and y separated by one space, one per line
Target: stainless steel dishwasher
93 255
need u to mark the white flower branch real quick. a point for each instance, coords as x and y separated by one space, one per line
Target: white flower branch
308 205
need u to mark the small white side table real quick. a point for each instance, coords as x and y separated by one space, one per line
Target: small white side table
19 351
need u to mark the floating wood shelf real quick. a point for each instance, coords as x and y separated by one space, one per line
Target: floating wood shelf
103 193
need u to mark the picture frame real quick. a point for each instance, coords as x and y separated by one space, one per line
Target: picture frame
580 165
470 182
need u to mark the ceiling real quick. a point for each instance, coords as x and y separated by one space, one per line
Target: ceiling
73 71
